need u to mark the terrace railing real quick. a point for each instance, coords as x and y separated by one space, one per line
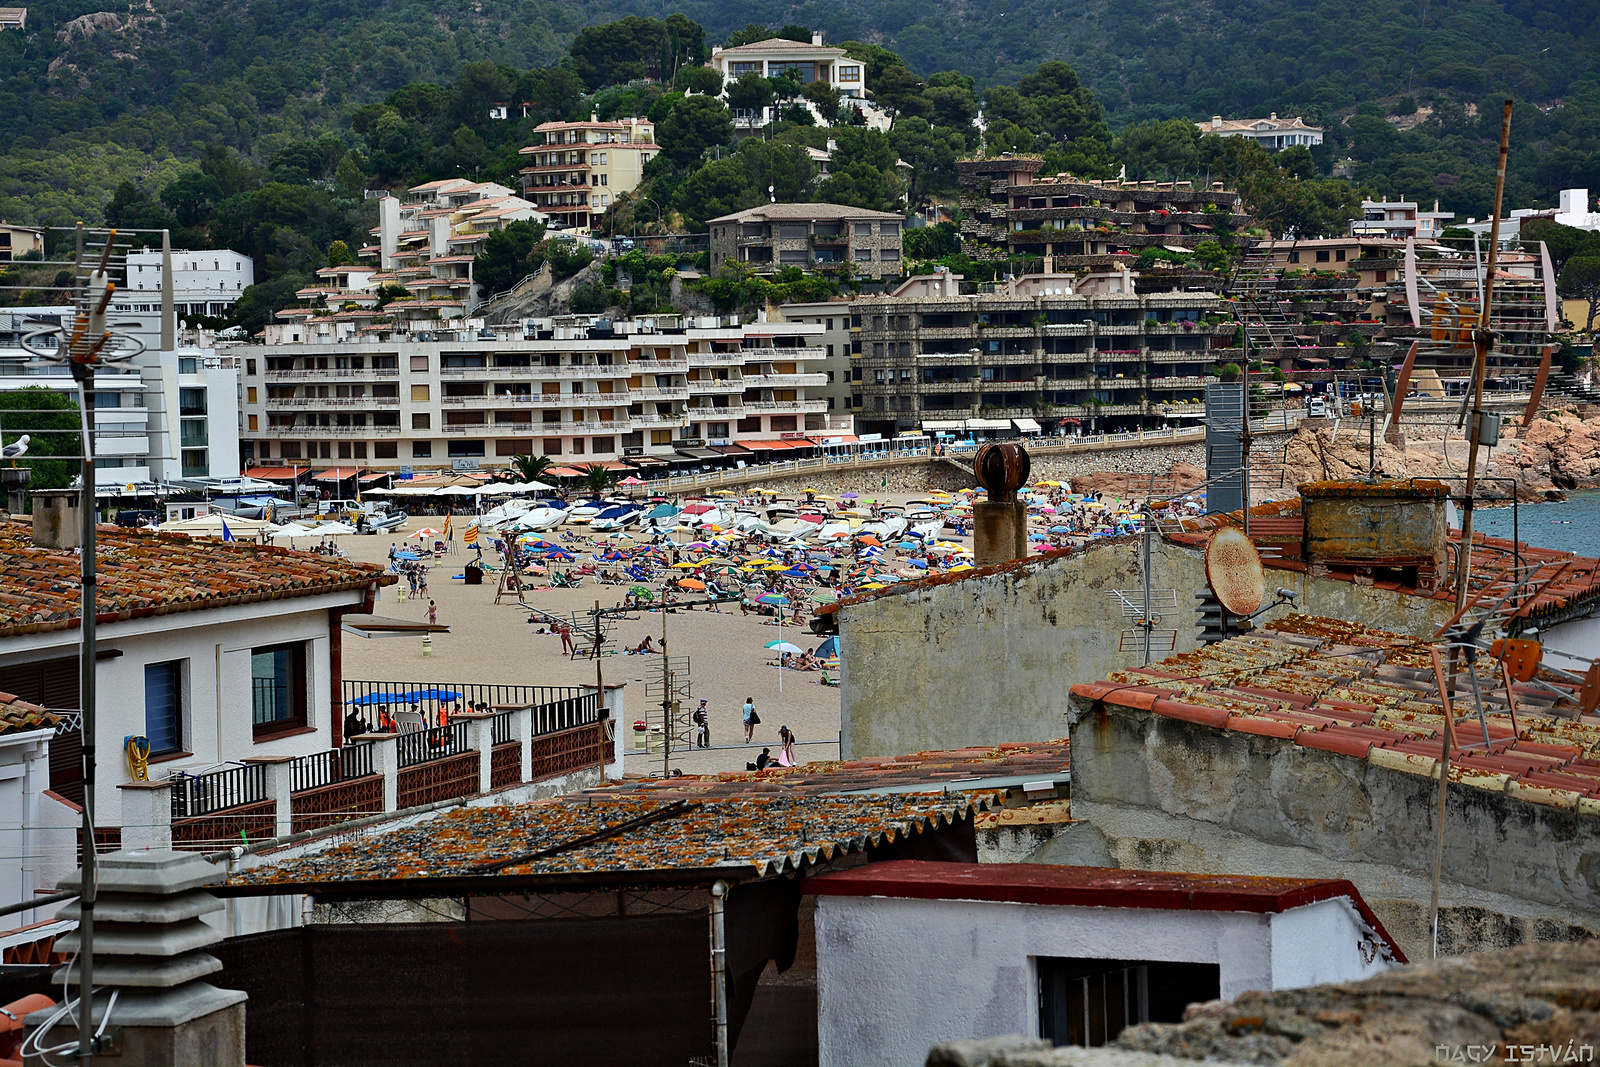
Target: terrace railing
331 767
194 795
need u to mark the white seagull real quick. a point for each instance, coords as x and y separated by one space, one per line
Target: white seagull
15 449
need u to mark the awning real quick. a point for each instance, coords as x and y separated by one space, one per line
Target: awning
337 474
988 424
773 446
730 450
700 453
375 476
381 626
646 461
945 424
1026 425
274 474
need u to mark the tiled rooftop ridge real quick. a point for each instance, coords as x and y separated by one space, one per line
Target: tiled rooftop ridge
143 574
19 716
1347 689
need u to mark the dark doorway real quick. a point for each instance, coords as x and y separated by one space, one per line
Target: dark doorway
1089 1002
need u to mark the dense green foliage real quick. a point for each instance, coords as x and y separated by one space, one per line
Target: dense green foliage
261 125
53 424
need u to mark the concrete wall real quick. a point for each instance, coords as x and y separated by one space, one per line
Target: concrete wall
939 970
1174 796
990 657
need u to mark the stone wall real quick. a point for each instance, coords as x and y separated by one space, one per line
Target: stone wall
989 656
1175 796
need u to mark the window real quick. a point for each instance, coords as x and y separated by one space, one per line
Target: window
278 688
191 401
603 445
1088 1002
421 420
163 706
418 363
863 255
862 229
385 450
419 394
1294 257
250 367
250 395
552 446
849 74
421 449
889 255
1322 255
1340 255
465 449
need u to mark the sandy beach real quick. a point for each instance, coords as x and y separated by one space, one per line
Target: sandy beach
494 643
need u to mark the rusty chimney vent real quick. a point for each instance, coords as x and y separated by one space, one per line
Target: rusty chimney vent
57 518
1387 525
1000 523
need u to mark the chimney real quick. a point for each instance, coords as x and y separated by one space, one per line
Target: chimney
1393 525
816 39
14 484
1216 122
594 116
1274 116
149 948
57 518
1000 523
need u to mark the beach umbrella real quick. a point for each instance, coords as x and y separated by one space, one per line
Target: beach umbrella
631 481
293 529
694 584
684 566
641 592
426 531
907 546
784 646
774 600
849 496
334 529
920 564
823 596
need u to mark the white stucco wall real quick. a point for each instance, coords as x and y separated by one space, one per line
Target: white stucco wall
896 976
215 644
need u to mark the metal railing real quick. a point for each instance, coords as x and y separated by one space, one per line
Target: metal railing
504 727
202 794
399 696
327 768
421 746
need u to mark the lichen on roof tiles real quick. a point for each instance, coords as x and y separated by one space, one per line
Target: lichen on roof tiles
142 574
753 836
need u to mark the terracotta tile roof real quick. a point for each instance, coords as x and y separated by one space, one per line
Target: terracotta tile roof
1278 529
964 769
18 716
1368 694
145 574
747 837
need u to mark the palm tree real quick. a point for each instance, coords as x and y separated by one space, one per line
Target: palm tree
596 479
531 468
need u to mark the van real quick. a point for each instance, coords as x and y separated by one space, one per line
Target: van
1317 408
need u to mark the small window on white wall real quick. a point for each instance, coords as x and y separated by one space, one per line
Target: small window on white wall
163 706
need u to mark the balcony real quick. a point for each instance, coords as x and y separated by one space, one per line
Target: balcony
781 354
732 411
716 359
280 403
107 445
659 392
586 372
786 407
325 375
347 433
717 385
784 381
656 366
677 419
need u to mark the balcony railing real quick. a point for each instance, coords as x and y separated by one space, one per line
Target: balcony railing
275 403
782 353
194 795
786 406
345 432
319 375
784 381
334 765
422 746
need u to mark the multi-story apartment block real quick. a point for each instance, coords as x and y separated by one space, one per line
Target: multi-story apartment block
807 63
1272 133
578 169
833 317
812 236
204 282
167 415
581 389
930 355
1073 223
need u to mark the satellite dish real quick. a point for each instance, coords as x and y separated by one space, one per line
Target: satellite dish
1234 572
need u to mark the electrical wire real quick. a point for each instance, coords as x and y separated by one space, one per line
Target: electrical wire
33 1045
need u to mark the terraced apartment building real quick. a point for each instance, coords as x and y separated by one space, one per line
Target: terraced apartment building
1073 223
940 355
574 387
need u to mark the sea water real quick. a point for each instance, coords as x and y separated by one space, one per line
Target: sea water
1572 524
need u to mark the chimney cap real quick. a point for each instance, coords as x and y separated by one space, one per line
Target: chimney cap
1274 116
1216 120
816 39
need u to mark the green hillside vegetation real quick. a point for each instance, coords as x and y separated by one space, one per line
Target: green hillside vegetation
263 127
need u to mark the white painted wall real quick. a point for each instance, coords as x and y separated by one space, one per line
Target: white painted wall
896 976
216 645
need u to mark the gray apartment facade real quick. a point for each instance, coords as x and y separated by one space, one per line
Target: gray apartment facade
818 237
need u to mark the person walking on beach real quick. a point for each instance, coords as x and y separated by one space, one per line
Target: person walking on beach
433 613
786 754
566 639
750 718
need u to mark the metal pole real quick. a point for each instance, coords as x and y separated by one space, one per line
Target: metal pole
1149 520
599 695
666 696
86 698
719 968
1482 341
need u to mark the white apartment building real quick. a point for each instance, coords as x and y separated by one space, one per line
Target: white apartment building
833 317
426 243
814 62
205 282
1399 219
577 170
581 389
167 415
1574 209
